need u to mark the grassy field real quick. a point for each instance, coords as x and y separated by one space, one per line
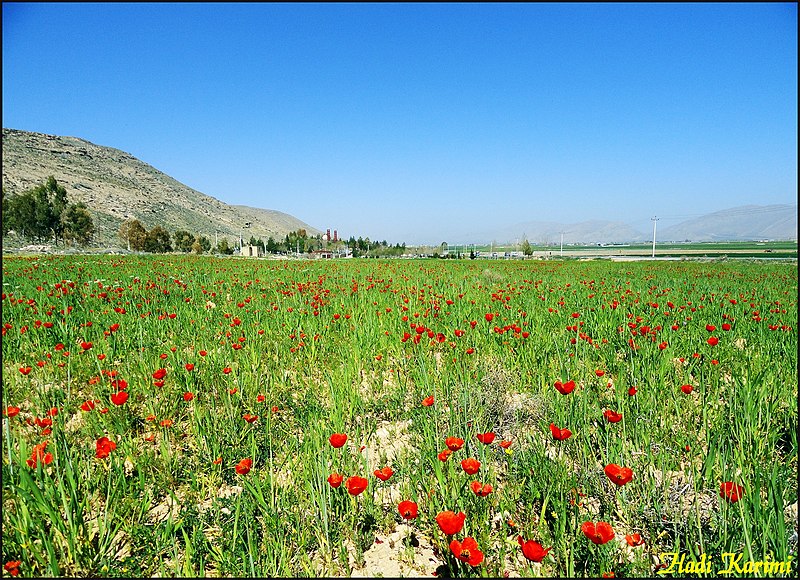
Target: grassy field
194 416
771 249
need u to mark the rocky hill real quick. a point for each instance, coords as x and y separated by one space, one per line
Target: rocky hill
116 186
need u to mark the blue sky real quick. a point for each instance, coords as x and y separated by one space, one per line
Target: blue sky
423 122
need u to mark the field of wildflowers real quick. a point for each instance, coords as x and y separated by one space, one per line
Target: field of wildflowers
195 416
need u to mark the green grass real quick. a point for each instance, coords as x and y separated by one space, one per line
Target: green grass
315 348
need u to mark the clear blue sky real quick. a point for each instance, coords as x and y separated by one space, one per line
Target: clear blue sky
415 122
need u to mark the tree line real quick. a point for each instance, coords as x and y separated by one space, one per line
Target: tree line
44 214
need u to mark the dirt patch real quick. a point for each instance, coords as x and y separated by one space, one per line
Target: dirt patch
683 499
399 554
390 441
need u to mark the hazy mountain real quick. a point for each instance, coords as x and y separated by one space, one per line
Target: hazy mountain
747 222
116 186
549 233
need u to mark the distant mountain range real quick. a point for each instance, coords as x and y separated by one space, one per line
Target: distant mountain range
744 223
117 186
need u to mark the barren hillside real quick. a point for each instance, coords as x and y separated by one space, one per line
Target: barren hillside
117 186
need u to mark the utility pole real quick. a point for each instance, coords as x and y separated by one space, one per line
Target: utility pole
562 244
241 231
654 219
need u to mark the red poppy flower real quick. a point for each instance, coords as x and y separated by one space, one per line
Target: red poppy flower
337 439
408 509
384 473
634 540
599 372
119 398
356 484
335 480
712 341
187 396
250 418
427 401
710 327
687 389
260 398
45 422
470 465
467 551
618 475
160 374
86 345
485 438
608 574
166 423
217 461
489 316
450 523
560 434
454 443
612 416
480 489
244 466
632 391
11 411
444 455
119 384
599 533
38 453
189 366
12 567
533 551
104 447
731 491
565 388
25 370
505 443
726 327
226 370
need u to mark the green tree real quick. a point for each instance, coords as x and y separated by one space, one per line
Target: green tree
196 247
37 213
296 241
157 241
78 225
51 202
6 206
17 212
272 246
223 247
205 243
526 247
183 241
133 233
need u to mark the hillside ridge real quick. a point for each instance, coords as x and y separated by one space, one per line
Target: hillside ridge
117 186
